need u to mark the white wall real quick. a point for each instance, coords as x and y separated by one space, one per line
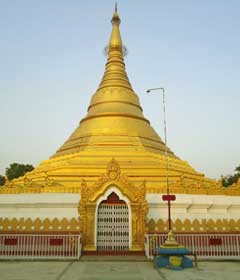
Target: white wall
64 205
195 207
42 205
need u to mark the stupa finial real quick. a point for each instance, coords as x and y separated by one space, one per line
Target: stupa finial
116 18
115 39
115 73
115 52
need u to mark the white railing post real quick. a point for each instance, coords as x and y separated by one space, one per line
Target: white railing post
146 245
238 245
79 246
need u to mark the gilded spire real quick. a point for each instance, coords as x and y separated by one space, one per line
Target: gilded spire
115 73
116 18
115 39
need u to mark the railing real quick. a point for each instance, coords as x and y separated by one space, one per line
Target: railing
40 246
215 245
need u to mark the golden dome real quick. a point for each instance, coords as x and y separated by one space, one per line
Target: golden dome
114 127
115 117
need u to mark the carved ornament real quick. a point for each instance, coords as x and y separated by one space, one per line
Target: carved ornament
136 195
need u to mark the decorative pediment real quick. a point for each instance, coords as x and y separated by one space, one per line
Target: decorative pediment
113 176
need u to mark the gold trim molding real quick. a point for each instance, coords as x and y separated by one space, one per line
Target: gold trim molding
39 225
179 184
26 184
195 226
186 185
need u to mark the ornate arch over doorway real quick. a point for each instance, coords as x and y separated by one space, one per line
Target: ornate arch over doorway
112 222
134 197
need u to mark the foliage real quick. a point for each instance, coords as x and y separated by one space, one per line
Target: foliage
237 169
16 170
231 179
2 180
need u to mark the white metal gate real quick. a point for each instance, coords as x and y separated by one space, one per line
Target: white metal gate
113 227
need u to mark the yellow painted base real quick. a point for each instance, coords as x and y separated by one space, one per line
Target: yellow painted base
195 226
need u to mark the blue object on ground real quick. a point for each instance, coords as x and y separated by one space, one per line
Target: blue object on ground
187 262
162 261
163 255
172 251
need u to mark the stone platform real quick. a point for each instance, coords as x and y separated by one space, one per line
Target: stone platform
106 270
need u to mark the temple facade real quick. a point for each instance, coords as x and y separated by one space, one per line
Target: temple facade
107 180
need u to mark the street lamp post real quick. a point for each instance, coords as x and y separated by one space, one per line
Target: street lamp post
167 197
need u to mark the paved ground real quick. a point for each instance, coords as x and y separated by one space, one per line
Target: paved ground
206 271
106 270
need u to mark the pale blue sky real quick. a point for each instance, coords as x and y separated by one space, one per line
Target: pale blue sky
51 62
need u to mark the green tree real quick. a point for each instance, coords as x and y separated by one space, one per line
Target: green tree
231 179
237 169
2 180
16 170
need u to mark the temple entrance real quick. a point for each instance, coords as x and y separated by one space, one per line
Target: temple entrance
113 225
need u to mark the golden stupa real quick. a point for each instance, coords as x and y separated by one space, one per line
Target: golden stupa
114 145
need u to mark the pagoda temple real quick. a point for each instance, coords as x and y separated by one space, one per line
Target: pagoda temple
107 179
